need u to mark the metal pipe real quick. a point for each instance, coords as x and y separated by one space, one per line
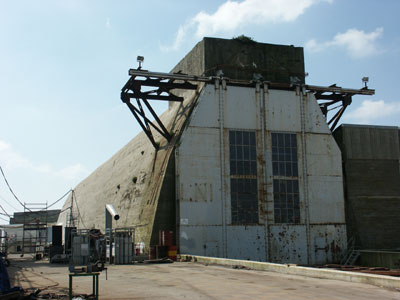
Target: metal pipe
220 85
111 214
301 91
263 96
223 99
112 211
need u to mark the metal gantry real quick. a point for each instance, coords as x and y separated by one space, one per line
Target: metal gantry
335 98
160 85
143 86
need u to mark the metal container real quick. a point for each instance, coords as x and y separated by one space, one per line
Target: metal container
172 252
166 237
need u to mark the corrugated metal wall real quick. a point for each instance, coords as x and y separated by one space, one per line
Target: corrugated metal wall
203 179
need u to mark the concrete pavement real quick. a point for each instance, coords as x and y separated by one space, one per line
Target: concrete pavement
188 280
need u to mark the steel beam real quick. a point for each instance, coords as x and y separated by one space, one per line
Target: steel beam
165 82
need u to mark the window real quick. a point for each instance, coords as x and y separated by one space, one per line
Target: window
243 171
286 201
285 183
284 154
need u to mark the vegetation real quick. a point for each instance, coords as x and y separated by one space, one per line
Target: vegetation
244 39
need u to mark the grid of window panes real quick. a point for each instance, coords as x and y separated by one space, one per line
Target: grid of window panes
286 201
285 172
242 151
244 203
243 171
284 154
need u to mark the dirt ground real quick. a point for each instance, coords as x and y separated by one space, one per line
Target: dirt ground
185 280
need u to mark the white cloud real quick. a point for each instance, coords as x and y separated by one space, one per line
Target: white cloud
73 172
234 14
180 36
10 159
357 43
370 111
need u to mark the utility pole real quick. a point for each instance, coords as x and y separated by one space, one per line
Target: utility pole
71 217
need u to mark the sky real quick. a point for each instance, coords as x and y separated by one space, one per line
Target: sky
63 64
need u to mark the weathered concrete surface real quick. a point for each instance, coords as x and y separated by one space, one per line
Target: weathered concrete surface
385 259
378 280
240 60
371 157
131 180
193 281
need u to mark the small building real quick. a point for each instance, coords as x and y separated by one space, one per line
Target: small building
242 165
41 216
30 230
371 165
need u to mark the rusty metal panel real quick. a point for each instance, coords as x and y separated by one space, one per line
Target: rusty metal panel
315 119
205 204
246 242
288 243
328 243
326 204
283 111
201 213
323 155
325 181
240 108
201 240
199 180
206 112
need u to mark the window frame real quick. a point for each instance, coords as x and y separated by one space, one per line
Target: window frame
285 174
243 177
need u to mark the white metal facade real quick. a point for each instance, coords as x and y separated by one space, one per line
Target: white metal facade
203 178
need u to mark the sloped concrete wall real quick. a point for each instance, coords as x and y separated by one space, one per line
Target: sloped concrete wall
131 180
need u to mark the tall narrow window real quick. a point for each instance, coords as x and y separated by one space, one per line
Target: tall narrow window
243 171
285 182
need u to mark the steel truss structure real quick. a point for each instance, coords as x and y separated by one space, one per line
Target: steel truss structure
335 98
163 84
143 86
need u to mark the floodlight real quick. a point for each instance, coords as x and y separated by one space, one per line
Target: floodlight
140 60
365 81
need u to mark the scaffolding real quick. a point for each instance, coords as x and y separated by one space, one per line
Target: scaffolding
34 232
3 243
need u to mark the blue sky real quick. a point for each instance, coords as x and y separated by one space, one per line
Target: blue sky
63 63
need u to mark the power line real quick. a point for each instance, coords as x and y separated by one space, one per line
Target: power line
3 219
60 199
8 203
12 192
77 208
65 209
7 215
5 211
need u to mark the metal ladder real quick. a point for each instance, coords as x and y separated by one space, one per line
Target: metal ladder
351 255
352 258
